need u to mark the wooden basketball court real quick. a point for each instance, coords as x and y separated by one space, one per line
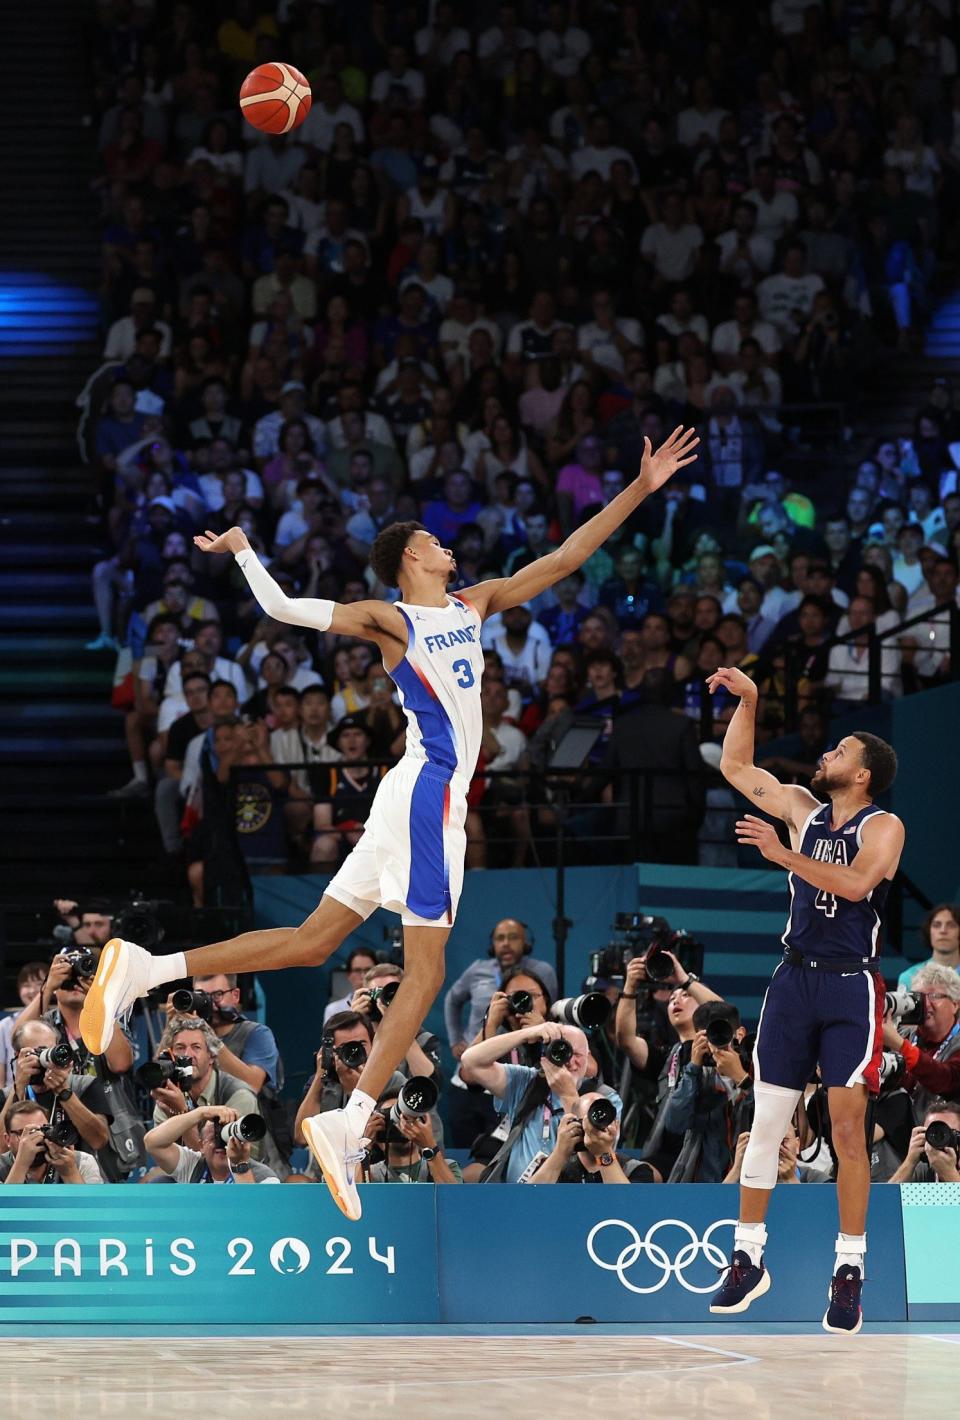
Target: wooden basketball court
715 1376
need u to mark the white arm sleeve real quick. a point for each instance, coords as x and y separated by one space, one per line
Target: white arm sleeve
295 611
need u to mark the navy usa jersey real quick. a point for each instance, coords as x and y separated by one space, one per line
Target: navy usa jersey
820 925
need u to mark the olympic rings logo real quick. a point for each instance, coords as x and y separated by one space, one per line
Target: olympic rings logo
658 1256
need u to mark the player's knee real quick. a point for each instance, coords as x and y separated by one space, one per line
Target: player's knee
849 1138
312 945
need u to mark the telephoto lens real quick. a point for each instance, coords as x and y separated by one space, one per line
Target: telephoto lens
588 1012
719 1034
352 1053
558 1052
56 1056
154 1073
602 1113
521 1002
416 1099
249 1128
659 965
939 1135
905 1007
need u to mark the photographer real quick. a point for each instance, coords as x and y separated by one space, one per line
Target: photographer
248 1049
788 1166
409 1148
510 943
347 1039
470 1111
91 925
585 1152
30 1156
192 1039
531 1101
712 1100
30 979
931 1055
925 1161
215 1162
58 1090
373 999
643 1050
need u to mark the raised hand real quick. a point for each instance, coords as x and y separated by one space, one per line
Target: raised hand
757 833
733 680
675 452
233 540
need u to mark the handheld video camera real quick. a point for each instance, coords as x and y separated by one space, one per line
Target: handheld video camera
175 1069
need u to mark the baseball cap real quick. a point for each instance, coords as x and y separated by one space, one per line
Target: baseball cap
762 549
349 722
293 385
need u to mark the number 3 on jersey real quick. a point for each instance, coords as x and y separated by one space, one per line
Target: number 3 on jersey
465 677
826 902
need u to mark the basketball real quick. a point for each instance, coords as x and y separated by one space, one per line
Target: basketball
275 98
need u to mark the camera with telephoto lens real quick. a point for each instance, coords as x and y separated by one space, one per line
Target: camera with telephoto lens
415 1101
382 994
84 964
588 1012
61 1133
249 1129
905 1008
558 1052
55 1057
720 1034
939 1135
602 1113
168 1069
201 1003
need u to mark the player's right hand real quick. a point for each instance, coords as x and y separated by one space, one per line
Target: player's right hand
233 540
733 680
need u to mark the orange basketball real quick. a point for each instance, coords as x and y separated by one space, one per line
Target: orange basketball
275 98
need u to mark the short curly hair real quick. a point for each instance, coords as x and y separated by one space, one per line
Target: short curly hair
386 554
880 758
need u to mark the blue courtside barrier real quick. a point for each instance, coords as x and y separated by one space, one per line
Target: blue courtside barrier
147 1256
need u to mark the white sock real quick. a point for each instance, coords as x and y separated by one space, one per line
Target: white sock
851 1249
164 969
140 771
751 1238
358 1110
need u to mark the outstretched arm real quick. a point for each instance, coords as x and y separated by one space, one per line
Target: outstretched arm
373 621
783 801
655 468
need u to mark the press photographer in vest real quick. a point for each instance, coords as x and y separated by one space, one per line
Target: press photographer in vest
405 1148
248 1049
934 1152
33 1156
191 1040
46 1080
931 1049
223 1155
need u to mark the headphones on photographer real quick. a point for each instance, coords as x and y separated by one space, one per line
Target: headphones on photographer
528 937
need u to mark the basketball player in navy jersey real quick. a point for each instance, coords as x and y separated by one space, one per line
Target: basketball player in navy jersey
824 1005
411 855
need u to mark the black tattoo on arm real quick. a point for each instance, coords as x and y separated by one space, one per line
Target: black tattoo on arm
758 793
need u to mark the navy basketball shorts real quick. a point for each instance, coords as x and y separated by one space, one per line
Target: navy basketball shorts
825 1018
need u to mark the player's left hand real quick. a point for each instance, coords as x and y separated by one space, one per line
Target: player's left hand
675 452
757 833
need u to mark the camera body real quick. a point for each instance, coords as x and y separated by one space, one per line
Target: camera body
169 1069
906 1008
84 964
558 1052
200 1003
939 1135
61 1133
720 1034
384 994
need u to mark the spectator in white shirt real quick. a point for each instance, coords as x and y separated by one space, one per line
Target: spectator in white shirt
699 125
672 244
786 298
122 335
744 252
918 162
563 47
437 45
523 646
745 325
293 405
500 46
398 83
848 668
605 342
599 154
329 109
777 211
681 317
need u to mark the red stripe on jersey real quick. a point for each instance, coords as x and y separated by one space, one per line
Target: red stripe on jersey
871 1073
423 680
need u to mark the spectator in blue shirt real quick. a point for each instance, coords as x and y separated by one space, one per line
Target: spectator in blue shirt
509 946
458 506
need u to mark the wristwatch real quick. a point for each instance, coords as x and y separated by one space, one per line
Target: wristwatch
65 1095
239 1168
429 1154
691 976
605 1160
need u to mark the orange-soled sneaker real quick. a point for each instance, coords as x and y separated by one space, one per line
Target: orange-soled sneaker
122 978
337 1151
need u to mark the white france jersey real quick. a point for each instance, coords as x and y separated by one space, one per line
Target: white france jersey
439 684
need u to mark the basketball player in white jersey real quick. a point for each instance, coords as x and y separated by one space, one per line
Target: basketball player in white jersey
410 857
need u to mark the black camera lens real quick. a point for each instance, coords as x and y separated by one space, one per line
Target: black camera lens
939 1135
192 1003
56 1056
558 1052
521 1002
602 1113
719 1034
352 1053
659 965
417 1098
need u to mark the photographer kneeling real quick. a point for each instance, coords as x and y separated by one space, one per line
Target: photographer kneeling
934 1152
585 1151
34 1156
531 1101
404 1147
220 1159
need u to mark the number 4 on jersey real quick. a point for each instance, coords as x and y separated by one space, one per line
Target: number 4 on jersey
826 902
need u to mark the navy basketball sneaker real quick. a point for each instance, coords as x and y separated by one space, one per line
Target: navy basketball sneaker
743 1284
844 1313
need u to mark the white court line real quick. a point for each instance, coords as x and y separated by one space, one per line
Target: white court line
701 1346
933 1336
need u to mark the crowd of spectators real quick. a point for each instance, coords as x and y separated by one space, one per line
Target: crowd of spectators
662 1091
510 243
